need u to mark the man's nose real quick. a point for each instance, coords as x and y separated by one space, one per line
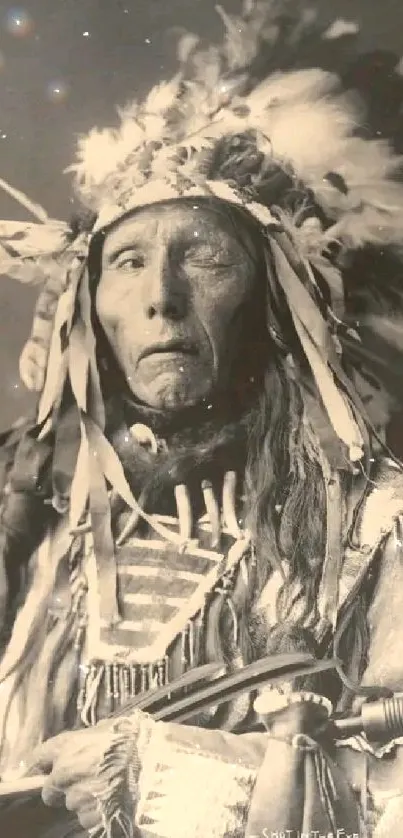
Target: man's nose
165 292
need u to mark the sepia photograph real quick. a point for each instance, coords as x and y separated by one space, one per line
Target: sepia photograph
201 419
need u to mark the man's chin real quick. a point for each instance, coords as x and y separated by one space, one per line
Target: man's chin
171 393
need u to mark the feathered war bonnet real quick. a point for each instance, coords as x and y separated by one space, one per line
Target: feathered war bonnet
287 150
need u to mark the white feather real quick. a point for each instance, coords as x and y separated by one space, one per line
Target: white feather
340 28
285 88
37 211
186 45
131 137
163 96
34 239
129 111
97 156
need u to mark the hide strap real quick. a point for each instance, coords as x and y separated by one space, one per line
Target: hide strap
328 595
299 790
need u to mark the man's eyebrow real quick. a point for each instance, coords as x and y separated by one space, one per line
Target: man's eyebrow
119 249
194 234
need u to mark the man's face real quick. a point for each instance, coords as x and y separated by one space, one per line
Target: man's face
173 285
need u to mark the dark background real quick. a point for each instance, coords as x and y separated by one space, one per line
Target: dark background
64 66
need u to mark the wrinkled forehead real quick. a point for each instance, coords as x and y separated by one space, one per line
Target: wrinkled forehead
182 221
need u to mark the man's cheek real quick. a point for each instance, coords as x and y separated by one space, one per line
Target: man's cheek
225 328
112 303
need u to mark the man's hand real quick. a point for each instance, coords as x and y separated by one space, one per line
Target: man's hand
71 762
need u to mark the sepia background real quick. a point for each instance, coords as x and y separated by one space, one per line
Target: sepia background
65 65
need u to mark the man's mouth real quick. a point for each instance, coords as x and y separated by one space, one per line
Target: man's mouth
182 347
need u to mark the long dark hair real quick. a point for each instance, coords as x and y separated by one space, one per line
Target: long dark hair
285 488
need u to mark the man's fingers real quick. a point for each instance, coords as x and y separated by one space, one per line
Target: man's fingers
86 807
41 763
52 796
89 819
44 756
79 799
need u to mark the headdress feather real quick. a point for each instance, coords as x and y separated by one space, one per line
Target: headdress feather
298 121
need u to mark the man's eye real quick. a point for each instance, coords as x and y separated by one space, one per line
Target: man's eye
214 266
129 263
208 258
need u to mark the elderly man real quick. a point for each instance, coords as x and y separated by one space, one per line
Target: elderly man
199 486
